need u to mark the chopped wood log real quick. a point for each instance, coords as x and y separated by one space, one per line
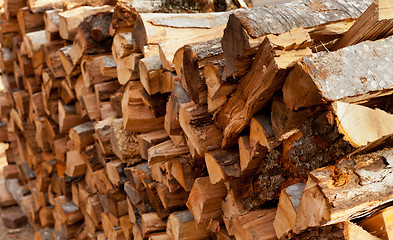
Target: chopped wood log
173 26
90 67
195 121
150 71
159 236
147 140
6 199
375 23
261 131
76 166
379 223
91 106
137 116
52 58
195 57
82 135
165 151
284 221
185 170
169 49
11 7
325 197
33 42
251 157
255 225
205 199
167 82
108 67
66 93
51 18
151 222
370 124
328 81
181 225
66 61
102 130
231 207
124 143
122 45
222 165
39 6
285 121
172 200
128 68
70 19
29 22
242 37
84 43
7 59
258 82
68 118
343 230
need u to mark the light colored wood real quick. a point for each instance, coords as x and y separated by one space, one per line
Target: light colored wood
108 67
39 6
379 224
222 165
373 24
91 72
122 46
33 42
251 157
261 131
150 70
68 117
284 221
51 19
361 125
255 225
76 166
230 208
165 151
70 19
82 135
151 222
29 22
181 225
205 199
147 140
124 142
127 68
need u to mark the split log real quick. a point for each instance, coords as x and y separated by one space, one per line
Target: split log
91 72
375 23
173 26
251 157
379 223
52 58
255 225
51 19
329 81
70 19
124 143
86 42
343 230
196 123
205 199
29 22
76 166
11 7
222 165
82 135
39 6
102 130
169 49
284 221
33 42
150 71
195 57
256 88
147 140
137 116
122 45
7 59
242 37
128 68
261 131
151 222
68 117
325 197
165 151
181 225
108 67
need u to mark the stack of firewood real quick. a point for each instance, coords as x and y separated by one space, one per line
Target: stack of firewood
151 119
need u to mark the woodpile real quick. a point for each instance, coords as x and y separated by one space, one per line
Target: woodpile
146 119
